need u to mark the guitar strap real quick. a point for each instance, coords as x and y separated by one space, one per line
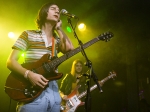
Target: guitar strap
53 47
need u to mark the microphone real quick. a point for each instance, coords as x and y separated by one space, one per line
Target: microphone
64 12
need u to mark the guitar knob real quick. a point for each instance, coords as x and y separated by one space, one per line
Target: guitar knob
34 92
62 108
27 93
25 90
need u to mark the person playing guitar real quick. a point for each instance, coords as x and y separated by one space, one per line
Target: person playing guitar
49 39
73 80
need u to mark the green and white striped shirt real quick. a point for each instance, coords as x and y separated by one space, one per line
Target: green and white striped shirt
34 44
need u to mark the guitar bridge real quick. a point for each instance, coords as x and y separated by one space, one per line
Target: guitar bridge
69 104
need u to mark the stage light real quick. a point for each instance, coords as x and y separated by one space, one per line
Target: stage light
69 29
82 27
11 35
22 54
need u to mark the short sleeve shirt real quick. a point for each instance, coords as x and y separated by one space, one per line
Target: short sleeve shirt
34 44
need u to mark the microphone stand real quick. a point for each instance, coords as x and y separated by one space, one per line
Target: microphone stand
92 74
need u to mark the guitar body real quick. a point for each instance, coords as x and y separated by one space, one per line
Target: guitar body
73 102
20 89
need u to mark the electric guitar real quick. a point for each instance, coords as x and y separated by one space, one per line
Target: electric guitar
20 89
74 101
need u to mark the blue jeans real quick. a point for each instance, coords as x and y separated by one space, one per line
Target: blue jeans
48 101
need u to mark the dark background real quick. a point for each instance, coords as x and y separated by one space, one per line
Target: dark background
128 52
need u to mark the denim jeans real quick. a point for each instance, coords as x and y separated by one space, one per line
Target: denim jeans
48 101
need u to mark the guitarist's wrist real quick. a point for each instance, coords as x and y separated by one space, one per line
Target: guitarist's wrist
64 97
26 74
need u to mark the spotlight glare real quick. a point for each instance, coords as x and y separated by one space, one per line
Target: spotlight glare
69 29
11 35
22 54
82 27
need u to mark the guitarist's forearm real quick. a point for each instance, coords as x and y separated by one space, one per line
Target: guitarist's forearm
16 67
13 64
61 94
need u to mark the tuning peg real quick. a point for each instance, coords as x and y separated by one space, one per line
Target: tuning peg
112 73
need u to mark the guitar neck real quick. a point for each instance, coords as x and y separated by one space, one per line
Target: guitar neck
58 61
95 86
66 56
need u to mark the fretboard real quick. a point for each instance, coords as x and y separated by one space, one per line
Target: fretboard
58 61
95 86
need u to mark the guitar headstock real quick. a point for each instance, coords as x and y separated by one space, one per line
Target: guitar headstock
112 74
106 36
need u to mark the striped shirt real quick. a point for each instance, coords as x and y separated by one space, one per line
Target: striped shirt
34 44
